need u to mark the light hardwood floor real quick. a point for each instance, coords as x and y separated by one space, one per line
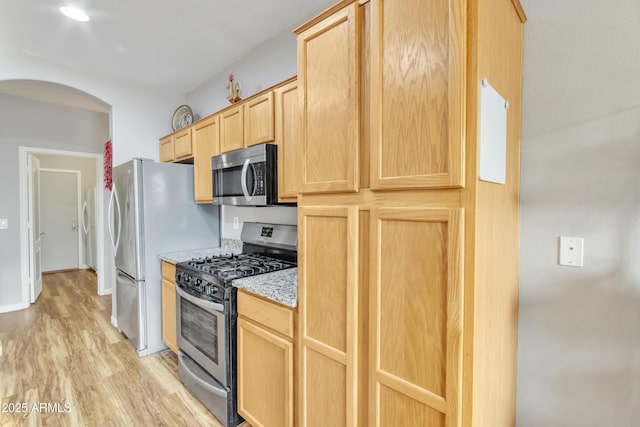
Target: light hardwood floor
63 350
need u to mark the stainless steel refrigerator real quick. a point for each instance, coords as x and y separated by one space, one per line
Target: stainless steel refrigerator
152 210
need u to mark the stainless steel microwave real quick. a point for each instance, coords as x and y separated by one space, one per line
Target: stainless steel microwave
246 177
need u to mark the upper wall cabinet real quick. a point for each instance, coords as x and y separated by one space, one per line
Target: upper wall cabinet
166 149
259 123
182 144
232 129
383 93
328 75
417 96
206 143
288 138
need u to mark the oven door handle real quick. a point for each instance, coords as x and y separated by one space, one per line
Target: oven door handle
207 305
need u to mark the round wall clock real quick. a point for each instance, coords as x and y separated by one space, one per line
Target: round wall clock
182 117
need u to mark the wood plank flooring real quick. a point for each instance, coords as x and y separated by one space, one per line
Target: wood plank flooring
62 363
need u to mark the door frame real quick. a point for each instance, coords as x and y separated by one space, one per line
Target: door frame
25 246
78 175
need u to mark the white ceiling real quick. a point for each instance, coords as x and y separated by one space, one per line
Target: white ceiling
172 45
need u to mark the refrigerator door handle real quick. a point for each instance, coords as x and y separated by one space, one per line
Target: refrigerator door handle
84 211
117 243
109 221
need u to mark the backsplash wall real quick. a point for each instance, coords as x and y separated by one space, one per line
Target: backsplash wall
271 214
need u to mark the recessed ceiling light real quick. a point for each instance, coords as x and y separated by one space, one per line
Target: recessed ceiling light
74 13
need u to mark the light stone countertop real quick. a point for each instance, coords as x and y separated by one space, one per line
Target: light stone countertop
229 246
279 286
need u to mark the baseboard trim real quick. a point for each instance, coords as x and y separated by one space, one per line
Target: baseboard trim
12 307
60 271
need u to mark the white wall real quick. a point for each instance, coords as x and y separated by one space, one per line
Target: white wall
42 125
139 115
267 65
579 328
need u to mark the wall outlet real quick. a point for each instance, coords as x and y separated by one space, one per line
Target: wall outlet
4 223
236 224
572 251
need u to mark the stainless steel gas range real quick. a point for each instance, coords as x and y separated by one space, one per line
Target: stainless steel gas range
206 309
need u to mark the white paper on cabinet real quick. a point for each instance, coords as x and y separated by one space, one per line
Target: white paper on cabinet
493 135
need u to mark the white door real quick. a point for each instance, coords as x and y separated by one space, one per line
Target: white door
59 219
35 268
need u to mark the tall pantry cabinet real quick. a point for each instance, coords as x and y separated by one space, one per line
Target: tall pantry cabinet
408 280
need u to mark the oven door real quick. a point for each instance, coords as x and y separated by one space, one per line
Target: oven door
201 332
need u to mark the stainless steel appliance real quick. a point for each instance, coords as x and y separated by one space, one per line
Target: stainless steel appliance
246 177
88 222
151 211
206 309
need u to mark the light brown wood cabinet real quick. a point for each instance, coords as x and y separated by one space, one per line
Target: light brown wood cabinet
328 288
288 138
265 362
169 306
416 315
259 121
272 116
232 129
417 68
408 263
182 147
412 68
328 75
166 149
206 144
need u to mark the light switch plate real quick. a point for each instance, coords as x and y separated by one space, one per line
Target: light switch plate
4 223
572 251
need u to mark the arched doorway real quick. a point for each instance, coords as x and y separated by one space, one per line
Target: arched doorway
55 120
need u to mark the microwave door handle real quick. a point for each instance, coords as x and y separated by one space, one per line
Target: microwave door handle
243 180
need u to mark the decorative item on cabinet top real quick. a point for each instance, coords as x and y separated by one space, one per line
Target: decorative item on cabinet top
182 117
234 90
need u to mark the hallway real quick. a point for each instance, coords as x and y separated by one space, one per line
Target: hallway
63 363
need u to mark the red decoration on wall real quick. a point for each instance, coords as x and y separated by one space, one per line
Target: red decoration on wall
108 152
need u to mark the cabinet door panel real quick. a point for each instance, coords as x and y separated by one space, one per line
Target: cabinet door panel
326 383
182 144
166 149
259 120
169 333
417 101
232 129
415 313
206 143
289 140
328 72
328 295
265 376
